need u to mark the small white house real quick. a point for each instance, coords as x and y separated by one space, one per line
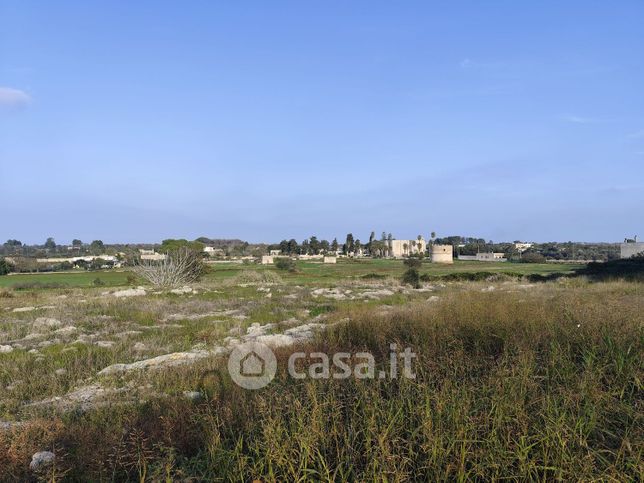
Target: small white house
630 248
214 252
490 257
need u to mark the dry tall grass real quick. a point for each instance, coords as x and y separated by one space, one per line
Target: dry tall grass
527 385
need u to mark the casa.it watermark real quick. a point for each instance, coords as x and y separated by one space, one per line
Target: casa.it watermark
253 365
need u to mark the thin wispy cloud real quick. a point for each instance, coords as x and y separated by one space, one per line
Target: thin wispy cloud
637 135
10 97
585 120
468 63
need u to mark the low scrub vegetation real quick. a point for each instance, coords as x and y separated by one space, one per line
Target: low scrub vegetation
180 267
255 277
529 383
5 267
37 285
285 263
627 269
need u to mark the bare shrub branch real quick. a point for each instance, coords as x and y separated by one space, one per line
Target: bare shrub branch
180 267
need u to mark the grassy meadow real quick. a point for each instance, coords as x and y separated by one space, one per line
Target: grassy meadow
311 272
514 380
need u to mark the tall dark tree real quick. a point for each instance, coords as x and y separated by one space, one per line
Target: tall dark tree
50 244
292 246
305 248
97 247
5 267
372 238
349 244
334 245
314 244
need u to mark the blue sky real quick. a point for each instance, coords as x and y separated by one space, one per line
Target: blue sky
138 121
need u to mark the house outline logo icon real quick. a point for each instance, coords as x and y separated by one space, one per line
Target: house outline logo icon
252 365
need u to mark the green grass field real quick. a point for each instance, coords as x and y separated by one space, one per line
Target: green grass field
308 272
111 278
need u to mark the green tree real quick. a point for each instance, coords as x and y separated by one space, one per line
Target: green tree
378 248
97 247
305 248
292 246
334 245
5 267
348 245
172 245
533 257
76 242
314 244
411 275
372 238
50 244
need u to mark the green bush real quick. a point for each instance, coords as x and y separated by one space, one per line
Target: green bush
533 257
374 276
321 309
5 267
285 263
37 285
411 277
413 262
627 269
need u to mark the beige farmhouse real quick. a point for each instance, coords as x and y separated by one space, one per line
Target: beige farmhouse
405 248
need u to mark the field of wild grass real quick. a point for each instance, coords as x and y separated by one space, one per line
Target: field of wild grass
513 381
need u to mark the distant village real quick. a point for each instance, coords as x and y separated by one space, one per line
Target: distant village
446 250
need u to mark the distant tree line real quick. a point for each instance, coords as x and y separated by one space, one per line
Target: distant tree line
375 247
24 255
464 245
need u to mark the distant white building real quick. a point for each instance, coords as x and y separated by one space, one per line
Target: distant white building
490 257
214 252
405 248
113 261
484 257
151 255
630 248
442 254
522 247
